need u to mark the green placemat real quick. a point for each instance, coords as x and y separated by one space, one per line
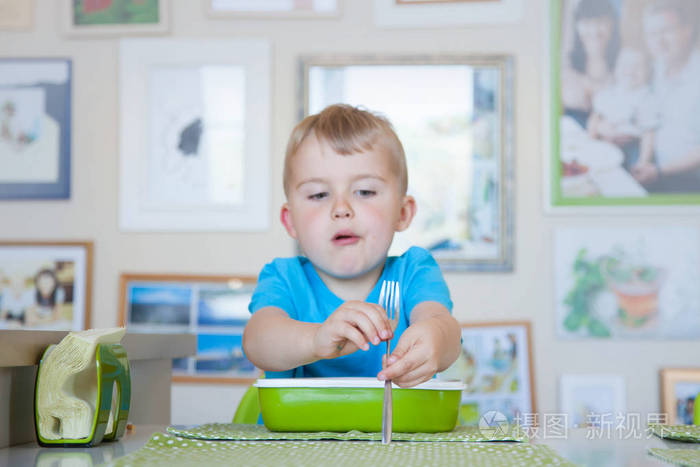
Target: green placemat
164 449
689 433
233 431
683 457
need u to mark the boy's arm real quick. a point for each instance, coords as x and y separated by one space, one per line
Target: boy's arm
430 344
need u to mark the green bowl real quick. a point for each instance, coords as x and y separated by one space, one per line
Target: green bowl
344 404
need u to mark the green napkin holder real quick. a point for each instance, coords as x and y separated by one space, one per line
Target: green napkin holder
112 372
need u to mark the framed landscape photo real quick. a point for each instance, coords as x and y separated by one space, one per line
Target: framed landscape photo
16 14
214 308
679 390
45 285
273 8
195 132
623 129
457 133
35 128
437 13
115 17
592 400
496 366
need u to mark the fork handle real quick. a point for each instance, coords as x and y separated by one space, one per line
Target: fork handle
387 413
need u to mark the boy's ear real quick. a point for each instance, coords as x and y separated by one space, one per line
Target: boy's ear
408 210
286 218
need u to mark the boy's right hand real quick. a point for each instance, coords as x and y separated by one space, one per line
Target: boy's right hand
352 326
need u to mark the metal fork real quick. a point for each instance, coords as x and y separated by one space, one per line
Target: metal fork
389 299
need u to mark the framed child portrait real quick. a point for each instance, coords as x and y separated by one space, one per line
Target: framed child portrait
115 17
214 308
45 285
679 391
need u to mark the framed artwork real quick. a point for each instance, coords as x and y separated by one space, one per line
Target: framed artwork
679 390
496 365
627 282
194 135
458 137
16 14
45 285
592 400
437 13
214 308
35 128
273 8
118 17
623 127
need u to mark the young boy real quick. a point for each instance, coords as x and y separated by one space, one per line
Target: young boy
317 315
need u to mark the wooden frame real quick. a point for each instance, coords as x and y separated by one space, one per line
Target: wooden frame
669 379
232 12
487 379
161 26
58 308
192 309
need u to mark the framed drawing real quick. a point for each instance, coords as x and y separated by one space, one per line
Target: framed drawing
35 128
626 282
624 129
194 135
679 390
16 14
438 13
496 365
273 8
592 400
214 308
45 285
118 17
458 139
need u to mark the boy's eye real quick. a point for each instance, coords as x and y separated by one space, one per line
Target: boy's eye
366 193
318 196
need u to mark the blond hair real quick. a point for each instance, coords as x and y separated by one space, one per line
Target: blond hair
348 130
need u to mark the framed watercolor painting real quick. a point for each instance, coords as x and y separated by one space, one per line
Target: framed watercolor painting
115 17
45 285
624 129
626 282
214 308
458 137
679 391
194 135
16 14
35 128
305 9
438 13
592 400
496 365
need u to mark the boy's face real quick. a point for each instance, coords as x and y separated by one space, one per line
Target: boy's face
344 209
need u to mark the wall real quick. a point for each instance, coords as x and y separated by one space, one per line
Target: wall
91 213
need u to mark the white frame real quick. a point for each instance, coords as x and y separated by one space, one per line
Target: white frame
162 27
294 14
23 18
568 382
389 14
137 56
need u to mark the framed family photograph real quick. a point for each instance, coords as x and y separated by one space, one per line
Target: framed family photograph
680 388
45 285
627 282
438 13
457 133
624 129
496 366
35 128
214 308
115 17
302 9
195 132
592 400
16 14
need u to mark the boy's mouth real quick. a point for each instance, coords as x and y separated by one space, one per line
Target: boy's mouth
345 237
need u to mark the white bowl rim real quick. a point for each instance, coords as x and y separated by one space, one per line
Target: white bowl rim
353 382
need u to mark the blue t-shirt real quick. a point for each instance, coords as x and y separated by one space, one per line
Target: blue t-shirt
293 285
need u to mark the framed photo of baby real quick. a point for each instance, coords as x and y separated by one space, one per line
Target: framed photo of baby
625 90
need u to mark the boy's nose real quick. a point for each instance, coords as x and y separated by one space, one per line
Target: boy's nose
342 210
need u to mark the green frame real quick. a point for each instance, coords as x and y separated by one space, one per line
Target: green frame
556 199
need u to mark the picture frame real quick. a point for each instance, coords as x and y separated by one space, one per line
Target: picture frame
115 17
195 132
434 13
679 390
592 400
496 364
35 128
213 307
46 285
273 9
626 282
599 163
16 15
465 126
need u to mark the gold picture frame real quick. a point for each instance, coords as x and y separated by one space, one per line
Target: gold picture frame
679 386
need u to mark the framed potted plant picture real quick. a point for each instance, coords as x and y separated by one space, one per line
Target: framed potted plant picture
45 285
214 308
679 391
115 17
